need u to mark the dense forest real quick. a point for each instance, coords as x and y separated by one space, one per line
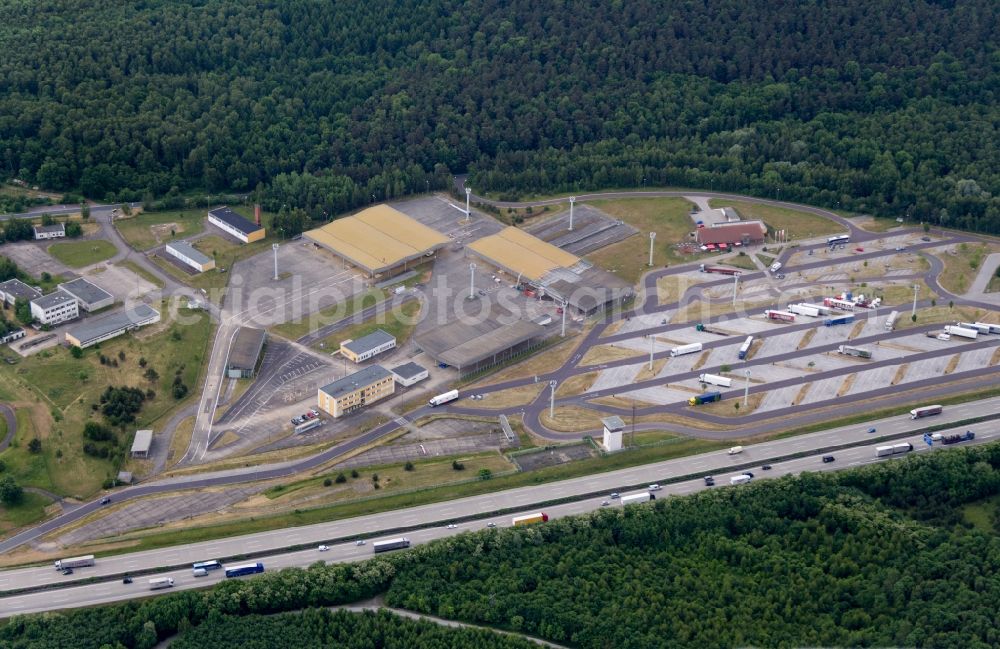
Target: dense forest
868 105
875 556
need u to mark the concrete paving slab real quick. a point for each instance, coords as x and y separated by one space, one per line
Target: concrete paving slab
873 379
824 389
615 377
975 359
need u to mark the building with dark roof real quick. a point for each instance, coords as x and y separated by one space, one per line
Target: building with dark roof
356 391
409 373
246 353
54 231
235 224
13 289
54 308
90 296
470 346
366 347
97 330
744 233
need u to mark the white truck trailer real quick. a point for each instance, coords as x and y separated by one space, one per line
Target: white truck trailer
75 562
158 583
803 309
715 379
964 332
634 499
693 348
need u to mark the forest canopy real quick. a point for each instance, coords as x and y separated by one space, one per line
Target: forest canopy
868 105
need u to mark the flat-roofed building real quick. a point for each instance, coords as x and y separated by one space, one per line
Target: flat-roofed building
142 443
245 354
54 231
378 240
11 335
409 373
190 256
366 347
744 233
470 346
97 330
13 289
356 391
54 308
90 296
235 224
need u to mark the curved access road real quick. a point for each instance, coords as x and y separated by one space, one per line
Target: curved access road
11 421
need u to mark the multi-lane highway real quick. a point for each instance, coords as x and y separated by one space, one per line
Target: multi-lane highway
594 489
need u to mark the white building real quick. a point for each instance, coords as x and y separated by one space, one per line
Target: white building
90 296
408 374
54 308
13 289
190 256
54 231
375 343
613 427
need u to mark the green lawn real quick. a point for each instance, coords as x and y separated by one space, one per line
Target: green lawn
226 252
668 217
400 329
142 272
741 260
799 225
57 391
30 510
296 329
77 254
151 229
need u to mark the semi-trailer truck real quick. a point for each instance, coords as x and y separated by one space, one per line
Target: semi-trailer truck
890 322
715 379
75 562
842 320
956 438
964 332
745 348
740 479
784 316
158 583
847 350
685 349
634 499
926 411
837 303
992 328
708 397
440 399
391 544
894 449
722 270
803 309
527 519
978 327
710 329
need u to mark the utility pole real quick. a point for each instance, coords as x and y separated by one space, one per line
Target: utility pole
746 388
565 304
552 400
916 290
736 287
572 199
652 341
274 247
652 238
472 281
468 211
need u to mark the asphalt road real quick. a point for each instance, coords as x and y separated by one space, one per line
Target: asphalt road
8 415
597 488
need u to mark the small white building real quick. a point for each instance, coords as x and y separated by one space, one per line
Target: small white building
142 443
54 308
375 343
11 336
90 296
408 374
613 427
187 253
55 231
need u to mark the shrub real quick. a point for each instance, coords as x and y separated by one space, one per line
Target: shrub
35 445
341 478
327 482
408 466
457 466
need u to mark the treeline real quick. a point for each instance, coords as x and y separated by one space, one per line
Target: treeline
874 556
879 106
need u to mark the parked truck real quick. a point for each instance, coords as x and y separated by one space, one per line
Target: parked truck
958 437
978 327
693 348
527 519
784 316
842 320
847 350
894 449
440 399
822 308
964 332
634 499
740 479
890 322
722 270
158 583
75 562
840 304
745 348
710 329
775 267
708 397
391 544
803 309
715 379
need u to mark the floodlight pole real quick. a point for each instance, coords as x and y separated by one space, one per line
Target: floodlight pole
746 389
274 247
468 195
565 304
652 238
736 287
572 199
916 290
472 281
652 341
552 400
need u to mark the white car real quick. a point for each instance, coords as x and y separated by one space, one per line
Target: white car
323 548
359 542
452 526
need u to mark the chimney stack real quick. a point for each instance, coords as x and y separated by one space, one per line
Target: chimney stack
256 213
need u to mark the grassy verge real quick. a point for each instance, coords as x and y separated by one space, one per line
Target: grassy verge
142 272
668 217
878 225
798 225
742 260
150 229
511 397
30 510
549 358
77 254
400 327
296 329
994 284
960 269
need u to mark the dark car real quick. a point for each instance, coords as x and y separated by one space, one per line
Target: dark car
709 481
105 500
749 473
925 238
871 430
67 571
780 276
766 467
827 459
126 579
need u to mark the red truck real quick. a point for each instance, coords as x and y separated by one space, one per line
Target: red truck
722 270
